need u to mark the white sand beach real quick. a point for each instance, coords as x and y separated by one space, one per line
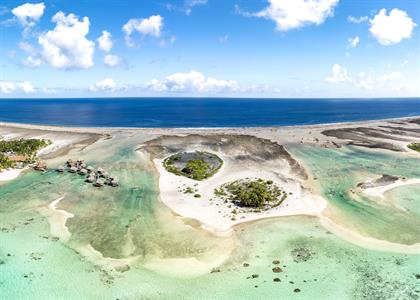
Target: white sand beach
10 174
216 215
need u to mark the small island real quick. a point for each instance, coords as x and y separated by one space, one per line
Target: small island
252 193
197 165
17 153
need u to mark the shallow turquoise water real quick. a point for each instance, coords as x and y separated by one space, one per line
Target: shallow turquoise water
337 171
406 197
34 265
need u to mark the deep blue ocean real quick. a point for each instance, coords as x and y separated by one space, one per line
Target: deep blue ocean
201 112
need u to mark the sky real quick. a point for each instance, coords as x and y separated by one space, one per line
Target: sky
210 48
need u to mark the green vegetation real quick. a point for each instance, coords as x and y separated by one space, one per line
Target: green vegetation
197 169
255 193
195 165
5 162
188 190
25 148
414 146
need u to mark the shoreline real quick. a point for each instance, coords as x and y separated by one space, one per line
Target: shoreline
10 174
102 130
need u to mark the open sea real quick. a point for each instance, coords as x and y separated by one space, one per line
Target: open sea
201 112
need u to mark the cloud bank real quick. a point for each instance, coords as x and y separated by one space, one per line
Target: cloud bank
8 87
192 81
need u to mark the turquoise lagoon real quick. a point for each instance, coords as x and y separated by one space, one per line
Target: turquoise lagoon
315 263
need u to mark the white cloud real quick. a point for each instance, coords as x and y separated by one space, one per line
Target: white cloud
297 13
66 47
26 86
29 13
192 81
31 62
339 74
8 87
393 28
357 20
151 26
367 81
186 7
189 4
112 60
362 80
27 48
105 41
353 42
106 85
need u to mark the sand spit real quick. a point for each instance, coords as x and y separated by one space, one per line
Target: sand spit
107 263
379 191
367 242
57 219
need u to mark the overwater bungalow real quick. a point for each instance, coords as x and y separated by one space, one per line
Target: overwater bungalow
99 183
83 172
40 166
99 178
70 163
90 179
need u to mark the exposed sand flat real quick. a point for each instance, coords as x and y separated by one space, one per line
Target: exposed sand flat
57 219
10 174
379 191
216 215
108 263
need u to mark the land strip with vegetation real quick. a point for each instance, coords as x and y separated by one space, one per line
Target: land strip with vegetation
20 150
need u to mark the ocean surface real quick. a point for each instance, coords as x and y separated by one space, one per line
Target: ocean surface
201 112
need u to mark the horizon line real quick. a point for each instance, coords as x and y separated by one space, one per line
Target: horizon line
209 97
